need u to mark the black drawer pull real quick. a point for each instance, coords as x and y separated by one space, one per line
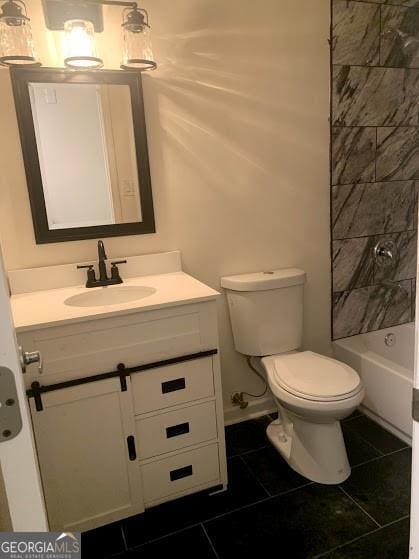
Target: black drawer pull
180 473
173 385
132 453
177 430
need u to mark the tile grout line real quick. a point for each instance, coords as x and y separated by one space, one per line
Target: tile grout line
349 542
376 458
164 536
201 524
359 506
243 507
124 539
209 519
260 501
246 452
255 477
209 541
365 441
382 453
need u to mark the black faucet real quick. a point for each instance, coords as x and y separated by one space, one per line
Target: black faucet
103 276
103 280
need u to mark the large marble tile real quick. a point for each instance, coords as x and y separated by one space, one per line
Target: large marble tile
372 209
399 27
356 33
365 96
353 154
382 487
299 525
353 265
403 265
371 308
390 542
398 153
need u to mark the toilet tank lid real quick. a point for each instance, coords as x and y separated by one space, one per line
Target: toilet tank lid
263 281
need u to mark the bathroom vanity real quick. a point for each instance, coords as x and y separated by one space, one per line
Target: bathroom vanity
127 404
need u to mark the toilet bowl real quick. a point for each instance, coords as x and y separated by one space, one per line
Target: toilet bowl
313 393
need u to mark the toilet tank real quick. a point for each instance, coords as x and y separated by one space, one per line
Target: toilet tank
266 310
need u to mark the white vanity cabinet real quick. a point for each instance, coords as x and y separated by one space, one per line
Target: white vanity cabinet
128 412
82 437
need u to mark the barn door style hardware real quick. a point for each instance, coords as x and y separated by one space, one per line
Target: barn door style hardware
122 372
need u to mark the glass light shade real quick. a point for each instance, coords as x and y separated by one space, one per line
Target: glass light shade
79 45
138 52
16 43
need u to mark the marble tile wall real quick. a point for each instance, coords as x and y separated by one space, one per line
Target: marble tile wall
374 160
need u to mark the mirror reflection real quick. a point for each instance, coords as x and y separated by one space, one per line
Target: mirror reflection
86 148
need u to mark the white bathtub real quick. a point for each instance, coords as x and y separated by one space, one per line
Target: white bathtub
387 374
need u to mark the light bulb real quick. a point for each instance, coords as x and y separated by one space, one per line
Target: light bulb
79 45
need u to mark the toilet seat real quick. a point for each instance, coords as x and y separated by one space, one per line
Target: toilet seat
312 377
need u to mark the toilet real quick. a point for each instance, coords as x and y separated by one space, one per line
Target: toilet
313 392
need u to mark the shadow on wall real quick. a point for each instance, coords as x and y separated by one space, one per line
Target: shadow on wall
242 145
216 115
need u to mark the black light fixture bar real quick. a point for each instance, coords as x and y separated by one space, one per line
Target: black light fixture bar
57 12
103 2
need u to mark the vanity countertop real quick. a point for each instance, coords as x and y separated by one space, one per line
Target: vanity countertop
47 308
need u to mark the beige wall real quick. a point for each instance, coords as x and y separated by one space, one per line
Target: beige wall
238 133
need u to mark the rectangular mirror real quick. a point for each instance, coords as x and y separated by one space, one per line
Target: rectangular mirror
84 145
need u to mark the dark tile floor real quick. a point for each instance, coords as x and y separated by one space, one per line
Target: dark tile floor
268 506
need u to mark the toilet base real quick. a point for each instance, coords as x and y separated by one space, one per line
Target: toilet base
314 450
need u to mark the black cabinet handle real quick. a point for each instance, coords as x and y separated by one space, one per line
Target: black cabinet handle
173 385
132 453
177 430
181 473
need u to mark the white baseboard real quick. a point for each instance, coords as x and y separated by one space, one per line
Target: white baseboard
256 408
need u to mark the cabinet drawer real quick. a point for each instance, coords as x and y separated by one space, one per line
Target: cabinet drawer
172 385
176 429
180 472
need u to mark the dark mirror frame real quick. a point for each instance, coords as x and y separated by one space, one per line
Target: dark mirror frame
21 78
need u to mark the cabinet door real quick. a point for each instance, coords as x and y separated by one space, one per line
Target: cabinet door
84 438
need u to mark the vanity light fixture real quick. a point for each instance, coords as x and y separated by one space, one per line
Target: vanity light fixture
138 53
79 45
16 44
79 19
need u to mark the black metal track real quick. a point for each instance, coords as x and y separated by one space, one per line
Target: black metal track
122 372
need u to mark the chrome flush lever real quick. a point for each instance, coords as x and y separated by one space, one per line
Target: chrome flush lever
29 357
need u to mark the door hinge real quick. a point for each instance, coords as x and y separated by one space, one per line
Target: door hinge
10 418
415 404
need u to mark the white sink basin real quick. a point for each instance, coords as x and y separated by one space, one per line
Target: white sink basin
114 295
